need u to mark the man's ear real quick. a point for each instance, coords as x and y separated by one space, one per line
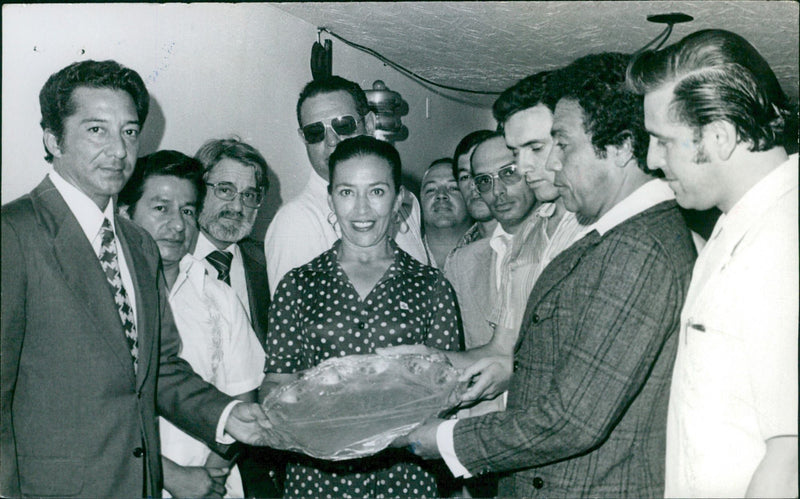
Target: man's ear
369 123
51 143
124 212
622 154
721 137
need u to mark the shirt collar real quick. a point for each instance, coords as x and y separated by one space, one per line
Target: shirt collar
403 263
546 210
191 272
648 195
204 247
759 198
89 216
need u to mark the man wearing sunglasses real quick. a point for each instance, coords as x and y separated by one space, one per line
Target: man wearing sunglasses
236 181
329 110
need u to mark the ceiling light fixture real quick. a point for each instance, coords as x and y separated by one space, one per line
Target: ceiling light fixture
670 20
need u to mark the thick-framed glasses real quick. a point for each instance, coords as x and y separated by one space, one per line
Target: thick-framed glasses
226 191
341 126
507 174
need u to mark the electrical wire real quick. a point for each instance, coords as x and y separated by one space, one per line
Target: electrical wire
401 68
663 37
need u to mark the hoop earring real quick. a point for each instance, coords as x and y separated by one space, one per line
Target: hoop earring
332 220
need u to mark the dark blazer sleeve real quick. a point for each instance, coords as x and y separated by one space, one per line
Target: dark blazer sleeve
610 319
12 316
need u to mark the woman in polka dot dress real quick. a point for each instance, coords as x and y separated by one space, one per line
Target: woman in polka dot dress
362 294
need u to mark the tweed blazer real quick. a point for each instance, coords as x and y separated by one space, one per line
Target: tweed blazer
76 420
587 401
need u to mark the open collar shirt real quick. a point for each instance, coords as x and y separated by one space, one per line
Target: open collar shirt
735 379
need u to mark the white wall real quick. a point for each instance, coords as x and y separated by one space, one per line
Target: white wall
212 70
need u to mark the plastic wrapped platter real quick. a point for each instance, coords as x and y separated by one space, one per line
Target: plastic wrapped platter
355 406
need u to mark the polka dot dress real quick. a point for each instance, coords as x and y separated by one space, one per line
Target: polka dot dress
317 314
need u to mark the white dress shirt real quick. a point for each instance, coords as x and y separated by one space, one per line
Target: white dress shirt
90 218
734 385
204 247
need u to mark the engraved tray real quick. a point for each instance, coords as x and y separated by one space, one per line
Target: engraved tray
355 406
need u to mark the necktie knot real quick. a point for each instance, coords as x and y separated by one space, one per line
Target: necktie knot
221 260
106 233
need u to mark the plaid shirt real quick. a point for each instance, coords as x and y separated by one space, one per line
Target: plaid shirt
588 398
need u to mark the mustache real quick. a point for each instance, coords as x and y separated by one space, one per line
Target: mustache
442 204
236 215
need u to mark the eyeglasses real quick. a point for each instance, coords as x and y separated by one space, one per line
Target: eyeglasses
507 174
226 191
341 126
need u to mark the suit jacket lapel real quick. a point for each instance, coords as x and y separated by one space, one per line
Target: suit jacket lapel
144 279
258 295
561 266
81 270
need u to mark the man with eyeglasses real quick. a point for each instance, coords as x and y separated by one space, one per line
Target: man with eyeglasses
236 181
329 110
492 275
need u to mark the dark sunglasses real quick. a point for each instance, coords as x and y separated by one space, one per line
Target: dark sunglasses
341 126
507 174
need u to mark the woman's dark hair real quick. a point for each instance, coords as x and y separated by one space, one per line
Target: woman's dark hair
165 164
364 145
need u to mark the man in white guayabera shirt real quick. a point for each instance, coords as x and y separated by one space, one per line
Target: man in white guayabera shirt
717 119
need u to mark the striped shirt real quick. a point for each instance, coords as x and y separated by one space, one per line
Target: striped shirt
520 259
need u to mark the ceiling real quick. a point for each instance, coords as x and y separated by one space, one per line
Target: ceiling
490 45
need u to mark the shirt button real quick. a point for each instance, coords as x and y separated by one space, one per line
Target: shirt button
535 318
138 452
362 325
538 483
516 365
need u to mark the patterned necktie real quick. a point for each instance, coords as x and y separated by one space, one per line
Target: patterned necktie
221 260
110 264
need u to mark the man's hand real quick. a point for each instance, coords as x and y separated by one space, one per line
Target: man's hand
249 424
488 378
194 481
421 441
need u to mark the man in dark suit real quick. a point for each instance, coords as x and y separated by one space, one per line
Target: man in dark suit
88 340
587 398
236 176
